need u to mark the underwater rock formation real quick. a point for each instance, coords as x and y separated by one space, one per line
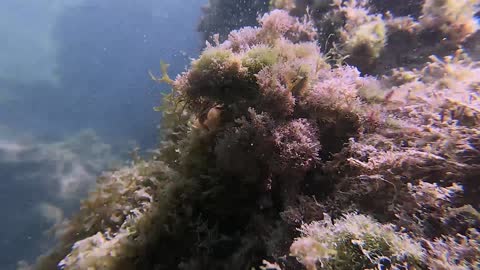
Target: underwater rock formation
271 155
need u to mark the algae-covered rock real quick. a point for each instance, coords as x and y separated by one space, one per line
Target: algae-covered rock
262 135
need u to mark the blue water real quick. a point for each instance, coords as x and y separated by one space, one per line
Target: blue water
75 96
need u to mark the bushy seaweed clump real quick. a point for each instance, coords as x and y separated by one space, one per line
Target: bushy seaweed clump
363 35
354 242
360 35
261 135
456 19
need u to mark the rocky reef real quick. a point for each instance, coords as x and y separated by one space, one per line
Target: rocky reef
276 154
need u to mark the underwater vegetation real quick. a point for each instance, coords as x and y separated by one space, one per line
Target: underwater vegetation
374 36
276 154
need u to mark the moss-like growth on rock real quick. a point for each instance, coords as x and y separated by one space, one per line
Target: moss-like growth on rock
260 57
355 242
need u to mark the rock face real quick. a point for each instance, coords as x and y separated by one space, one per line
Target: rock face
273 155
